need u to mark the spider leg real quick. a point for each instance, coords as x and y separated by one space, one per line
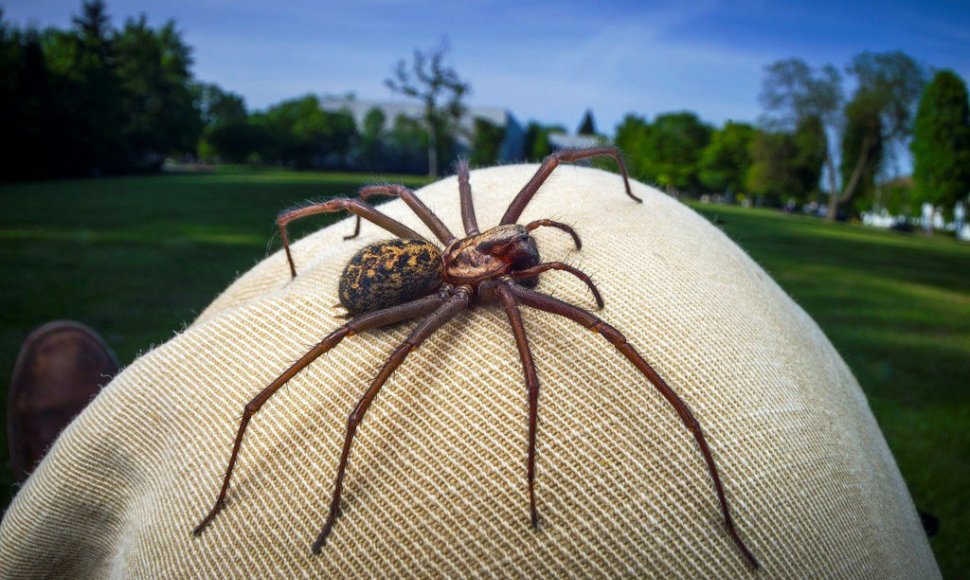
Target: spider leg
354 206
549 223
468 218
549 164
536 270
367 321
552 305
511 306
425 328
440 230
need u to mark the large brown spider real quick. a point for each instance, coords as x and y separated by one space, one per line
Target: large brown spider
409 277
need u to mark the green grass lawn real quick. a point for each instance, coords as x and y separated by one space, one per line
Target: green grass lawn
138 258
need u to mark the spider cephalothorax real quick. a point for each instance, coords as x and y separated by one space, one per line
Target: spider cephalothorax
411 278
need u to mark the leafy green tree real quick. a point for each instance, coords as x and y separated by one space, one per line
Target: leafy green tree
786 165
94 100
408 142
299 133
811 149
487 143
372 151
898 197
675 145
666 152
160 110
771 176
587 126
536 143
941 144
633 138
227 134
880 113
440 90
725 162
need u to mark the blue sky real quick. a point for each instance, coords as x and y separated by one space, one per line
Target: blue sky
546 60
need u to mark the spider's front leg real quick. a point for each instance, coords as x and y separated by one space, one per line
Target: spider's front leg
549 164
427 216
355 206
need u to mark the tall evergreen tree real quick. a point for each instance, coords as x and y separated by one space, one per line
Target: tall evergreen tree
96 119
587 126
941 143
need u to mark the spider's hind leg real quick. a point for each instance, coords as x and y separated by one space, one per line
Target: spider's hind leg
435 320
363 322
427 216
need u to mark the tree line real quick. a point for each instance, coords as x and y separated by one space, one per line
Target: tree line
98 100
94 99
813 144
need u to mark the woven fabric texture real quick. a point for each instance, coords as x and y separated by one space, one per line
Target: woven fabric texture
436 485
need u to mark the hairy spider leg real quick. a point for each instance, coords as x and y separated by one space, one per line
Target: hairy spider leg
511 306
361 323
559 225
427 216
549 164
468 219
552 305
545 267
354 206
454 304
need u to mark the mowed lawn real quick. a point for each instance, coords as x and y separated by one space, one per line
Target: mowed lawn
138 258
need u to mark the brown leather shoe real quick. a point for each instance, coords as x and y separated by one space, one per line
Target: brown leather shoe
60 368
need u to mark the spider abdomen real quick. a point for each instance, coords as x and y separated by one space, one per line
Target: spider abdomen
391 272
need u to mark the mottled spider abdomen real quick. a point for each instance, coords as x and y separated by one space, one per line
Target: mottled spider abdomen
391 272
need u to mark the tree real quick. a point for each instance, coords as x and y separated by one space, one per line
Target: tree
298 132
941 144
725 161
161 116
887 87
97 120
227 134
811 149
92 99
587 126
786 165
371 148
408 140
667 151
862 148
771 176
536 144
440 90
487 144
633 138
25 105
